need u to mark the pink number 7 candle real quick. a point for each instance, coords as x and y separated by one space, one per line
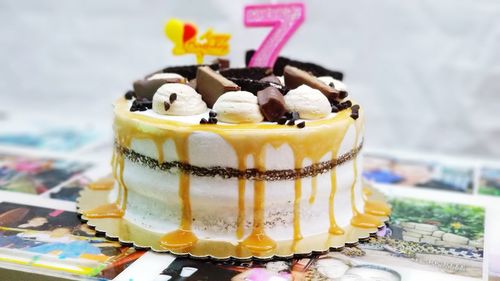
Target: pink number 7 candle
284 18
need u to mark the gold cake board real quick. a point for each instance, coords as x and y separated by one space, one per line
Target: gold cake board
131 234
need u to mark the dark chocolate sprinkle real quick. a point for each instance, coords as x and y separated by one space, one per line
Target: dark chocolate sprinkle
331 85
301 125
129 95
249 174
212 120
203 121
343 95
212 113
355 107
288 115
334 109
354 115
146 103
295 115
166 105
173 97
291 122
141 105
344 105
282 120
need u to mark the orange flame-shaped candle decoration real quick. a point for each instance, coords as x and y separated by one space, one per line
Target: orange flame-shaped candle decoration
183 35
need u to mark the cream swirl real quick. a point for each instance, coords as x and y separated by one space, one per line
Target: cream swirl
238 107
308 102
178 99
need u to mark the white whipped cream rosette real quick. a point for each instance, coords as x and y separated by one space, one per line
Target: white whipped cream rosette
238 107
178 99
308 102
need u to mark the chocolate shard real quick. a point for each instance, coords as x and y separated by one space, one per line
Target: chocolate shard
145 89
254 73
211 85
271 103
295 77
271 79
253 86
192 83
223 63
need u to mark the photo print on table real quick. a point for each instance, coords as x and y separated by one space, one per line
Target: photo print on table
36 175
59 139
489 181
197 270
70 191
385 169
428 236
336 266
51 239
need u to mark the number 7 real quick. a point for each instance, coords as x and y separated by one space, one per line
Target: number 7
284 18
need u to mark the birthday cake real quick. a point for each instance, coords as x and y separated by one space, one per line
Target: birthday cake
252 160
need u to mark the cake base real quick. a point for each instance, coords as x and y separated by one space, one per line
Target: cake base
131 234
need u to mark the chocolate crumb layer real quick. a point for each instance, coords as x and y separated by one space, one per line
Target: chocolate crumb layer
254 73
249 174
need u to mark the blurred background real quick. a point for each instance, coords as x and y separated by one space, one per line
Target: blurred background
427 72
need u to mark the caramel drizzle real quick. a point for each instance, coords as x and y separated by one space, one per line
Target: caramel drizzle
183 237
258 241
314 190
362 220
240 222
334 228
117 208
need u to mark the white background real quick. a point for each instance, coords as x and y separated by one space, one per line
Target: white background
427 72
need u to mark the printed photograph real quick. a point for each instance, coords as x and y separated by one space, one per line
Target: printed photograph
333 266
489 181
71 190
336 266
389 170
428 236
56 240
36 175
197 270
63 139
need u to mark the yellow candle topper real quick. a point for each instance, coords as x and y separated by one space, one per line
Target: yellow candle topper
183 35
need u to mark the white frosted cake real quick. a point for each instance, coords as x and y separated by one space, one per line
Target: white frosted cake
245 157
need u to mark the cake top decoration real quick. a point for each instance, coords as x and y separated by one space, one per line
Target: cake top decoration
183 35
